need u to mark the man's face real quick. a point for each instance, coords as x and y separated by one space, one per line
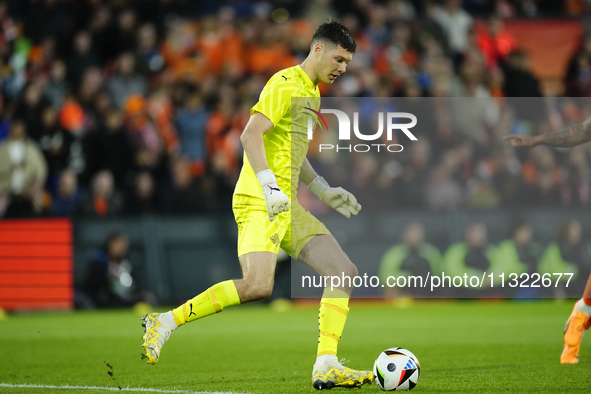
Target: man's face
17 131
332 62
476 236
414 235
118 248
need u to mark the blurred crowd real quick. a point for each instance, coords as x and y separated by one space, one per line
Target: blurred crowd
115 107
518 266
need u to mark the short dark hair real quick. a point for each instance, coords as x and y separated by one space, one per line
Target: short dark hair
335 33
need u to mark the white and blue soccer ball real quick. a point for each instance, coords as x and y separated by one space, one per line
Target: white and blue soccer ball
397 369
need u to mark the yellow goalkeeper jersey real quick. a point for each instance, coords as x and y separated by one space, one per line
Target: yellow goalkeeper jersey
286 145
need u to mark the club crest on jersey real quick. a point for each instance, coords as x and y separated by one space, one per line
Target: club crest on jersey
275 239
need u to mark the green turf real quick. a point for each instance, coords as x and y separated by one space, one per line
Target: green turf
471 347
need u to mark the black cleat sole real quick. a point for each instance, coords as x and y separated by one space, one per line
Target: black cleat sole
320 385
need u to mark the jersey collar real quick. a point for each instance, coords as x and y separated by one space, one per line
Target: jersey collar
305 77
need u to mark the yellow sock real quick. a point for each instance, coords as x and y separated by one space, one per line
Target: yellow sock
212 300
334 307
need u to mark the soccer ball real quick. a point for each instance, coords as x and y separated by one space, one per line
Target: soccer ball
397 369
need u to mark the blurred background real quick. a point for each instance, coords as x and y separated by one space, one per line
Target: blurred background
120 124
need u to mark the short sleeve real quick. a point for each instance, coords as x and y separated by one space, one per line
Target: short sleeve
275 100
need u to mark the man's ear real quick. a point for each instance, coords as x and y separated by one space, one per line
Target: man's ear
318 48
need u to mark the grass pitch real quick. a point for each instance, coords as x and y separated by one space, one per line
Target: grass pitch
467 346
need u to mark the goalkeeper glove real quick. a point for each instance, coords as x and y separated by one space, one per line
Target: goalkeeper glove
275 199
337 198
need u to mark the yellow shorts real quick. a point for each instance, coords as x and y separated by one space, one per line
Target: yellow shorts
289 231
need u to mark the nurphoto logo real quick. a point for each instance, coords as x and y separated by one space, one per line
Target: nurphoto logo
345 130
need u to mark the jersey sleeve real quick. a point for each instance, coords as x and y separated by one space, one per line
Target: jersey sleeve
275 100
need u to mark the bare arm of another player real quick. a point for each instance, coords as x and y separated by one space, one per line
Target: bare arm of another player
570 136
252 140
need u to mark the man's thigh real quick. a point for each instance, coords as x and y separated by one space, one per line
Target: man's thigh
255 232
304 227
324 255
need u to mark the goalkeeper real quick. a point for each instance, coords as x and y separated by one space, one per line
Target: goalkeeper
268 218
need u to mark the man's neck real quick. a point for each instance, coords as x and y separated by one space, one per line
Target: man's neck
309 70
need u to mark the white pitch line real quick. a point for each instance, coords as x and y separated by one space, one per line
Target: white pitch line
108 388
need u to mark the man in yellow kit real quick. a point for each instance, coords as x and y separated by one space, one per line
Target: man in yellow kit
269 217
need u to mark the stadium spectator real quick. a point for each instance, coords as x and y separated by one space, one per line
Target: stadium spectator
29 108
430 28
143 198
55 142
121 36
442 190
269 50
397 52
495 43
146 139
9 27
400 10
188 194
518 255
190 123
456 23
576 190
126 82
568 253
519 78
506 179
577 80
56 88
473 257
413 256
415 173
377 28
103 199
177 48
99 29
149 59
72 118
111 280
90 85
22 174
41 56
542 177
210 44
161 110
68 198
472 119
113 150
223 138
82 58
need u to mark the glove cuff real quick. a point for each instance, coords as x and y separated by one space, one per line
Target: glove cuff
266 177
318 185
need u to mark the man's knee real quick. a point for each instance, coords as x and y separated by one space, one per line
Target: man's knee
257 289
350 270
262 290
258 272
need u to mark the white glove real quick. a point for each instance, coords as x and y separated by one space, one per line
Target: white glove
275 199
337 198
